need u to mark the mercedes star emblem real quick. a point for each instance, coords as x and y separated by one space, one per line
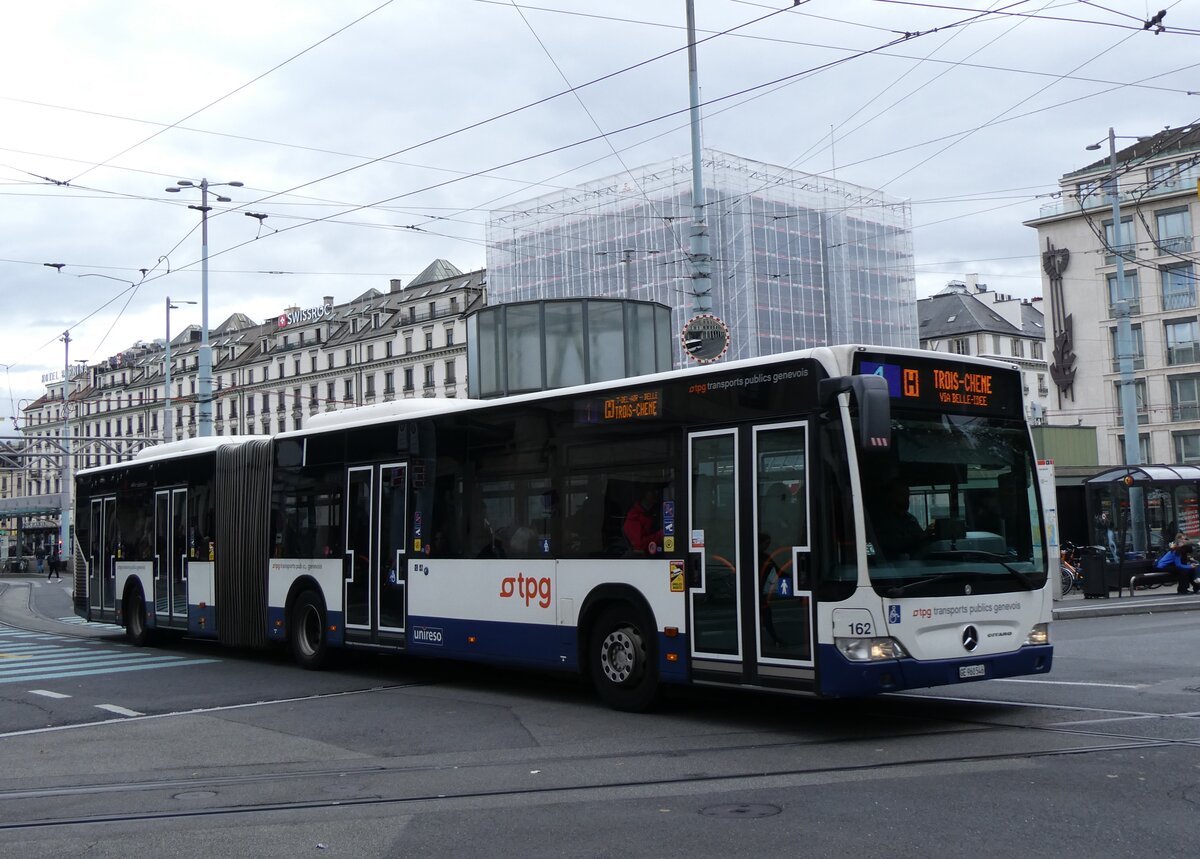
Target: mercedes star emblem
970 638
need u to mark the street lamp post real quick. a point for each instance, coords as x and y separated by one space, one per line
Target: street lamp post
1123 312
205 368
64 524
168 427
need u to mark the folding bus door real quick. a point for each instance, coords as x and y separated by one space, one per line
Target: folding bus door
784 617
752 611
102 554
170 557
391 573
716 600
376 574
360 550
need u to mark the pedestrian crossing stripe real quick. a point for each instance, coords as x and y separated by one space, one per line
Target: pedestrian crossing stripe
33 656
95 624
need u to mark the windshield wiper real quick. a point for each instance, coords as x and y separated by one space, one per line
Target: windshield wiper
901 590
972 554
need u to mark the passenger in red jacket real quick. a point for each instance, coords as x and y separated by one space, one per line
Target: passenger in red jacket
641 527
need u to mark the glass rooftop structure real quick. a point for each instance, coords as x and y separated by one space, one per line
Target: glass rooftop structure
797 260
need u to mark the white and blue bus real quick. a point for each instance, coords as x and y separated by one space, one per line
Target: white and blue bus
842 521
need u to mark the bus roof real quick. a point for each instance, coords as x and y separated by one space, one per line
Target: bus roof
836 360
175 449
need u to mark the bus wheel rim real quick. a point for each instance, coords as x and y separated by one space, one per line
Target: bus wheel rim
620 655
310 631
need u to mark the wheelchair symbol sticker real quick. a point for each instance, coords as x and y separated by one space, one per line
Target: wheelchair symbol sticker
893 614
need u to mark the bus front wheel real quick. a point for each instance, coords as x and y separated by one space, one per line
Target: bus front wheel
135 618
622 659
310 646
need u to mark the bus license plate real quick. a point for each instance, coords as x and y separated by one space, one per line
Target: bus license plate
965 672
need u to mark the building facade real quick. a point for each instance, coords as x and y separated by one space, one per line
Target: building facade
407 342
1157 194
797 260
970 319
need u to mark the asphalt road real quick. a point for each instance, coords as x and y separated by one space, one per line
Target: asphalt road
187 749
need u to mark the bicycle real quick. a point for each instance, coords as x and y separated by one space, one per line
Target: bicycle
1071 565
1069 572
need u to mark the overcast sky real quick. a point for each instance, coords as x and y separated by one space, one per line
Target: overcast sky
377 135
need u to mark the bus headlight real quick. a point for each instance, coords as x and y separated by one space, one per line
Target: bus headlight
869 649
1040 634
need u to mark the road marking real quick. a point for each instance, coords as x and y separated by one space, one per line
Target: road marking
319 696
47 693
27 657
94 624
120 711
1070 683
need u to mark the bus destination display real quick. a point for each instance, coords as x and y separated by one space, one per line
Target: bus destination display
620 408
946 385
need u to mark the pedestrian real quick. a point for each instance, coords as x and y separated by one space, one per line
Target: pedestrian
1179 560
55 564
40 556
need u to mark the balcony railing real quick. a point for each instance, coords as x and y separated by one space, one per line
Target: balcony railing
1133 193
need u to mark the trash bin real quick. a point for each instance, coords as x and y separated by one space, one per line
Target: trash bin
1094 584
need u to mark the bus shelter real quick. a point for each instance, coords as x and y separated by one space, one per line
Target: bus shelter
1135 511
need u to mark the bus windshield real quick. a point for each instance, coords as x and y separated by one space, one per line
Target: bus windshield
952 508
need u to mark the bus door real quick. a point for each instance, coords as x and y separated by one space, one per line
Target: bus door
375 567
102 555
753 611
716 600
170 556
785 617
391 574
357 562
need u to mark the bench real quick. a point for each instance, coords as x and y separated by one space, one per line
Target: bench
1117 576
1152 578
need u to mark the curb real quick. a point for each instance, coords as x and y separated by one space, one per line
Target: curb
1110 607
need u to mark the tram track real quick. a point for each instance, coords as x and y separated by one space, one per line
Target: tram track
308 782
748 779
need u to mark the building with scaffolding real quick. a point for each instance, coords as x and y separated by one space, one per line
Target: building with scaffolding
797 260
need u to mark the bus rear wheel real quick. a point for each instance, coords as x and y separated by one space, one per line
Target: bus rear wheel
310 646
135 618
622 660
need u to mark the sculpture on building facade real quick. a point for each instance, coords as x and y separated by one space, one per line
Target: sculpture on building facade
1062 368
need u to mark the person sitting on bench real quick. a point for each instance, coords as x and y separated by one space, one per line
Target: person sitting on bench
1179 560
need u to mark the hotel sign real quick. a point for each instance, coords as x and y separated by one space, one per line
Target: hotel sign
300 317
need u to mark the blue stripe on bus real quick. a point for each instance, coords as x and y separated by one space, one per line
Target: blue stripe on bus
526 644
840 677
202 622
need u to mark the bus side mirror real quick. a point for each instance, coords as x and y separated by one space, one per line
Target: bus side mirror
874 407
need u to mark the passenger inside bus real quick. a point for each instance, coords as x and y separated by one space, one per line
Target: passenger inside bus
900 535
642 528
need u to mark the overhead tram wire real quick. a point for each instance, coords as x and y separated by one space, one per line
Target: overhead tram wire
236 90
777 83
953 66
624 167
514 111
1142 27
731 33
1001 115
556 149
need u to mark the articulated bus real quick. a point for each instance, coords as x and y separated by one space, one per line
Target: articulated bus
840 522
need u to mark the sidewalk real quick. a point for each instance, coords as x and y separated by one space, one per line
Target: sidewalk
1151 601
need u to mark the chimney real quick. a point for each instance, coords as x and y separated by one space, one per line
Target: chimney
328 301
397 284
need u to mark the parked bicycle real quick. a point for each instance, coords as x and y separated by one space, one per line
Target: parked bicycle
1068 565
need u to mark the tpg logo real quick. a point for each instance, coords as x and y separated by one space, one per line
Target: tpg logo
526 588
